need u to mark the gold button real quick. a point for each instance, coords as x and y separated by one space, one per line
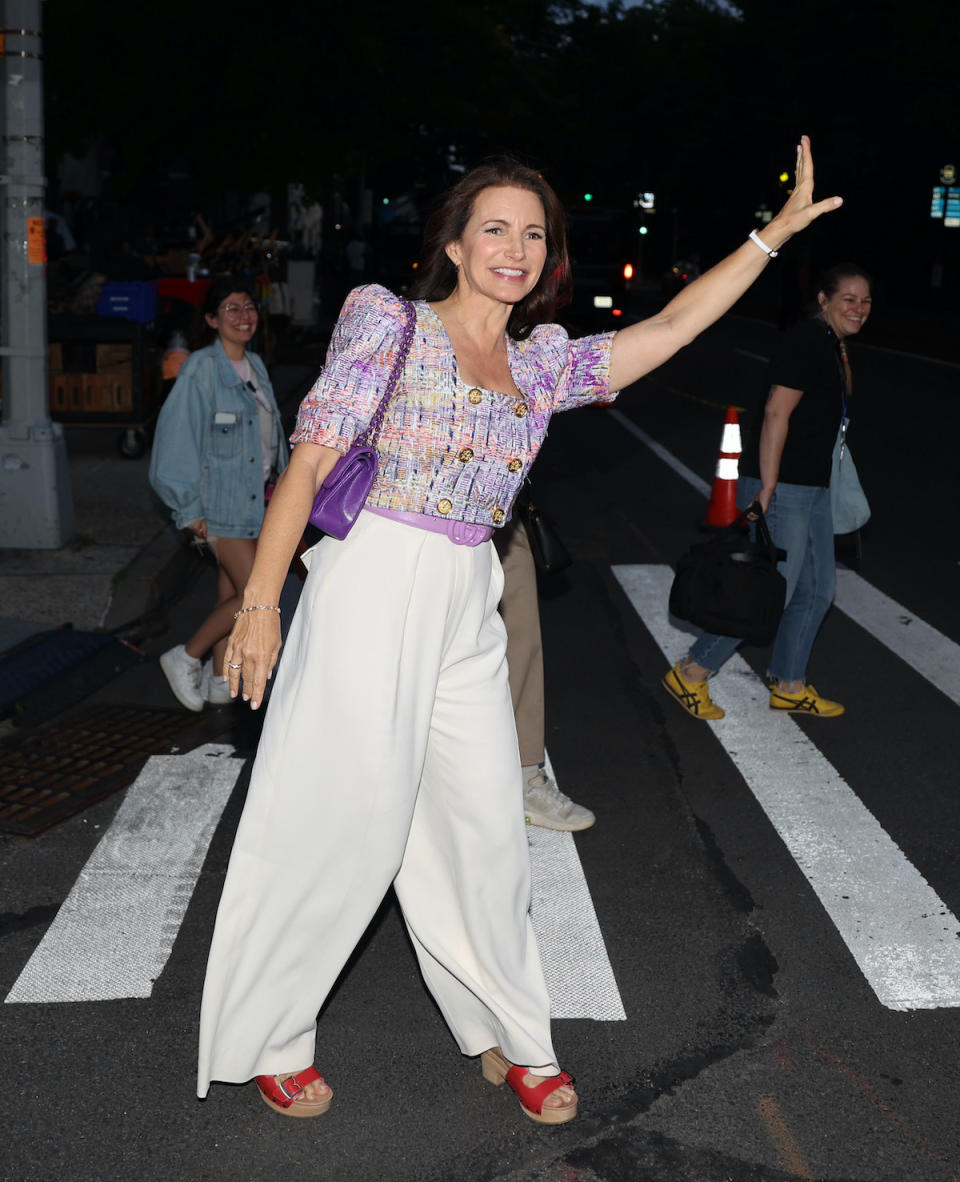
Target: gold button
475 396
498 516
444 506
465 455
520 410
514 466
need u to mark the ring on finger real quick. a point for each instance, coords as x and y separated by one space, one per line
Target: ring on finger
230 665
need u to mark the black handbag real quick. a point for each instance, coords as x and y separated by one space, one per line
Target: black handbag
730 584
549 553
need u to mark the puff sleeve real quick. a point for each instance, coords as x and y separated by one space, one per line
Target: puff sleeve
345 396
566 372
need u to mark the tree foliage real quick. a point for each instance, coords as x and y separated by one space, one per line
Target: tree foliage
697 100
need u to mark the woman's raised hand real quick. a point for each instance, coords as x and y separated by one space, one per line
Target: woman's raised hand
252 651
800 208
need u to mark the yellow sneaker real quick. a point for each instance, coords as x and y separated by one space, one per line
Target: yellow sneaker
693 696
807 701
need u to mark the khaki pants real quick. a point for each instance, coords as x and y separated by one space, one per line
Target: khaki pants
521 617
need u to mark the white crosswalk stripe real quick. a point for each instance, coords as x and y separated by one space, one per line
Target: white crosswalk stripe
115 931
579 977
927 651
901 934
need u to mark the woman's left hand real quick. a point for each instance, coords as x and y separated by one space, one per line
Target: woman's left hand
800 208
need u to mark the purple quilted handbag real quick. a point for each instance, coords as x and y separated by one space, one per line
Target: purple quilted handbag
344 492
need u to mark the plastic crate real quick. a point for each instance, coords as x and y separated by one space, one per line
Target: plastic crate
129 301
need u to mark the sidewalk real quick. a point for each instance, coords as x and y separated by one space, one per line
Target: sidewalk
125 561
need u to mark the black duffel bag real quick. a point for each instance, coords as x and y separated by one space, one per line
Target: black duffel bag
730 585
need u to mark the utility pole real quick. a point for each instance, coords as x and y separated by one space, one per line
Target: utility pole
36 506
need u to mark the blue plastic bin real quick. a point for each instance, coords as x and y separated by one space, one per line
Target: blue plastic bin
136 300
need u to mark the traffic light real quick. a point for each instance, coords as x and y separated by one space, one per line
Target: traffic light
588 196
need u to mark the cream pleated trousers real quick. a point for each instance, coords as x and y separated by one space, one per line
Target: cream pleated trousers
388 756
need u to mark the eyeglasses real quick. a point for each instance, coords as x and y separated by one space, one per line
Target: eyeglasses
235 311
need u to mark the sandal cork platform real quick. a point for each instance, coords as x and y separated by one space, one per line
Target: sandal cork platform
283 1093
497 1070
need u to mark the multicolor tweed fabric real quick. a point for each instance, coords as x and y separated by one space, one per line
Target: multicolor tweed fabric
446 449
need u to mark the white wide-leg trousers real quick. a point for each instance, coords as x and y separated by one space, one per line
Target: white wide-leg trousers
388 756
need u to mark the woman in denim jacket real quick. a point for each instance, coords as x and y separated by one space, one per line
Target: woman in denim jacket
218 440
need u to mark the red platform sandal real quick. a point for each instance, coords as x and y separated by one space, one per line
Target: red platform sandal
497 1070
283 1093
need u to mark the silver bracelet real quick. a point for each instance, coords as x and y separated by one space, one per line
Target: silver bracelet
258 607
767 250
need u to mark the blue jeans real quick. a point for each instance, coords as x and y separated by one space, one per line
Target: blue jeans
800 523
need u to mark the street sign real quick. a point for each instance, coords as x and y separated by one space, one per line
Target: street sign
951 214
937 201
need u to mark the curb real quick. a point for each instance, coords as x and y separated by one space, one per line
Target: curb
157 576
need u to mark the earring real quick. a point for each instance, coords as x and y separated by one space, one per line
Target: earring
456 267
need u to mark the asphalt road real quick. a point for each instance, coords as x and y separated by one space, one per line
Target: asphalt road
759 1040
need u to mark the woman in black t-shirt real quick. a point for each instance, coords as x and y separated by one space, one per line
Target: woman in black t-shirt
787 472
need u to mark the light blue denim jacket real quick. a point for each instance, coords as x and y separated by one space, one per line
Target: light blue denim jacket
206 459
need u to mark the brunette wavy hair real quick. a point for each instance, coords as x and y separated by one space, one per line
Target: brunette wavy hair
436 274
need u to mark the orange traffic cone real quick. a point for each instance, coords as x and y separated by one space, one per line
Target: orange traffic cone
722 510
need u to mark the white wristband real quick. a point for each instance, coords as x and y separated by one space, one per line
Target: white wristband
755 237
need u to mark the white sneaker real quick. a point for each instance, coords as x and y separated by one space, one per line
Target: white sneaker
215 690
546 806
185 675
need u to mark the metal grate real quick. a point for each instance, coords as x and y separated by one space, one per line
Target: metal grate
57 770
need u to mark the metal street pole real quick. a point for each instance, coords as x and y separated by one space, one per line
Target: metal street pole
36 507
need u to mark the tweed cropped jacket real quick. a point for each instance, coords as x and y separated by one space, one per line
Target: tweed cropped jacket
446 449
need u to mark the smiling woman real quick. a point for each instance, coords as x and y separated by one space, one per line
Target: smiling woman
845 300
218 442
786 471
498 258
389 752
505 240
457 216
